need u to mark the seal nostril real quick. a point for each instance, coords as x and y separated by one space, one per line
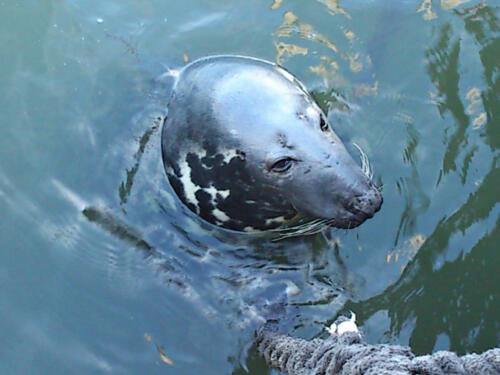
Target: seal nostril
365 205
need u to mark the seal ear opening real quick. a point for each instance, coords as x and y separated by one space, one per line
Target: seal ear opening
323 125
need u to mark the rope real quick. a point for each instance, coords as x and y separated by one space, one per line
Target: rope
346 353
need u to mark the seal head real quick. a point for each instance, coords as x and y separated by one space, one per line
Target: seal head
246 148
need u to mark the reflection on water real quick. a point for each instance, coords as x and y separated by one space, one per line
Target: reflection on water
458 297
98 254
126 186
451 288
333 59
416 201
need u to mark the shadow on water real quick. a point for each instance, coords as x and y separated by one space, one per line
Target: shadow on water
449 288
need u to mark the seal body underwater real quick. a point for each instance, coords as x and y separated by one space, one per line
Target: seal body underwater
246 148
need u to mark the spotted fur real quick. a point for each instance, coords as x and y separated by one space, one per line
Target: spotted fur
215 188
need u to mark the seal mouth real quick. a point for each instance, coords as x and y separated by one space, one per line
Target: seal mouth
309 226
357 211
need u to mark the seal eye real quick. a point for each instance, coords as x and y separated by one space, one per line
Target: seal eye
282 165
323 125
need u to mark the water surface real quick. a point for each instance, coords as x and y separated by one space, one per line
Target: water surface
102 269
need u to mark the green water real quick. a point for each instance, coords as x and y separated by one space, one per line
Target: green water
100 265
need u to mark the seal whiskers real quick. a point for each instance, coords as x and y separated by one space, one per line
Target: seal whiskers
365 162
293 228
309 228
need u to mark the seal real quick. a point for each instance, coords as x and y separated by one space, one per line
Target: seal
246 148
